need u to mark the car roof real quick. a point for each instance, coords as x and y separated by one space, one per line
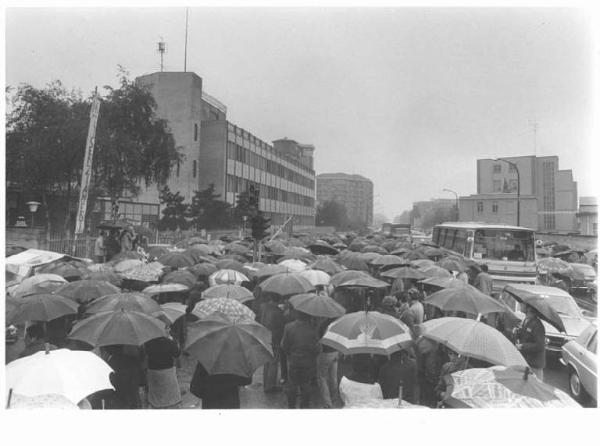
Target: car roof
540 290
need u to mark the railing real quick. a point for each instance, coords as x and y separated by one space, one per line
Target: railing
84 246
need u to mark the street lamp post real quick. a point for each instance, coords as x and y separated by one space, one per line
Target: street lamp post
456 195
33 207
518 188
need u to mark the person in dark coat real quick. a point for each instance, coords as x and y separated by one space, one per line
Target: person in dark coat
163 387
34 341
531 341
113 247
220 391
272 317
126 378
401 368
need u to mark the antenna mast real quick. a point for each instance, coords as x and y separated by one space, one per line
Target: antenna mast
161 49
187 10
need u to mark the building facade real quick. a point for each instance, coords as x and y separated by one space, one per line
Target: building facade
587 217
355 192
548 195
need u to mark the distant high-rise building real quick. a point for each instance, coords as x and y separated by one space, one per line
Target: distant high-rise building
588 216
355 192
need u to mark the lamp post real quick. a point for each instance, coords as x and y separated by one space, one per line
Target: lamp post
33 207
456 195
518 188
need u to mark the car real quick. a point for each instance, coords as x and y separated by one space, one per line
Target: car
582 279
581 356
573 318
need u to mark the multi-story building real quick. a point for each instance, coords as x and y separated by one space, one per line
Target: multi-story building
548 195
587 217
216 151
355 192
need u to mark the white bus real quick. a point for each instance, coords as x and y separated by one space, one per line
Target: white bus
508 251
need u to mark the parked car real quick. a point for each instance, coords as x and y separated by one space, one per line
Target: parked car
581 356
574 319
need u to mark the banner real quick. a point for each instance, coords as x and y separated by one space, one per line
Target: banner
86 172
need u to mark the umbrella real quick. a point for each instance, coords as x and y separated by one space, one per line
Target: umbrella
364 282
38 283
552 265
540 304
435 271
235 292
467 299
356 245
194 255
172 311
69 373
237 248
127 264
452 265
124 301
165 288
181 276
474 339
50 401
156 251
390 260
270 270
63 269
404 272
344 276
375 249
354 261
118 327
293 265
251 268
296 252
84 291
422 263
176 260
322 247
144 272
502 387
430 251
231 264
127 255
367 332
286 285
197 240
276 247
444 282
415 255
401 251
224 346
43 308
316 277
231 308
227 276
317 305
106 276
203 269
327 265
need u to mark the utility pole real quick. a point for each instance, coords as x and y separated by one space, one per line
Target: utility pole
533 123
161 49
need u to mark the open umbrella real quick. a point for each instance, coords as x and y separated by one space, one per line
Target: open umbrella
165 288
364 282
430 251
237 248
452 265
106 276
227 276
347 275
182 276
172 311
467 299
404 272
316 277
354 261
474 339
47 401
435 271
156 251
390 260
231 308
42 308
203 269
327 265
231 264
414 255
64 269
224 346
118 327
552 265
502 387
444 282
541 305
127 301
176 260
293 265
268 271
69 373
370 256
367 332
317 305
235 292
286 285
84 291
400 251
276 247
422 263
38 283
322 247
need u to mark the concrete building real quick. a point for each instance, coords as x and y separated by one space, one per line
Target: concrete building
587 217
353 191
219 152
548 195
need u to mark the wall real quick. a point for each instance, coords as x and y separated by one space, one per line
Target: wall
30 238
213 148
565 201
507 210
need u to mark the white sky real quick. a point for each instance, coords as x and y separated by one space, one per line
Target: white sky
409 98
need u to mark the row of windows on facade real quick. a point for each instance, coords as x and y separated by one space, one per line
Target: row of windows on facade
510 186
549 220
279 219
239 153
497 168
480 207
253 140
238 185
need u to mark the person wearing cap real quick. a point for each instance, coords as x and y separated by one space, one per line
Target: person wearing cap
531 341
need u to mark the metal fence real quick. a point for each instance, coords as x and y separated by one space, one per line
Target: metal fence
81 247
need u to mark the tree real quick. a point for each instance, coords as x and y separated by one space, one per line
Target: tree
404 217
175 212
332 213
208 212
379 220
242 206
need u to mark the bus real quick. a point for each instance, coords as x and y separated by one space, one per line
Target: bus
396 229
508 251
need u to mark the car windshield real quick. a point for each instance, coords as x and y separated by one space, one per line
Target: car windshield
564 305
503 244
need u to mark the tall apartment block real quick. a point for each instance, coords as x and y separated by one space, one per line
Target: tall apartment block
353 191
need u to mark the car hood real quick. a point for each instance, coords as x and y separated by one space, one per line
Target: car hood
573 325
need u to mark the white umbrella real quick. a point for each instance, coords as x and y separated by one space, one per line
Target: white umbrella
69 373
316 277
293 265
227 276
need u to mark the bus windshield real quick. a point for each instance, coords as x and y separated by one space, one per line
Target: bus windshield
502 244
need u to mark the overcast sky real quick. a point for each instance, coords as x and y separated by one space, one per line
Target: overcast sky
409 98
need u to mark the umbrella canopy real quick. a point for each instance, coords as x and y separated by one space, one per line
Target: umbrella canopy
401 251
404 272
203 269
227 276
317 305
345 276
415 255
106 276
235 292
84 291
237 248
64 269
276 247
69 373
250 268
467 299
430 251
286 285
231 308
124 301
231 264
316 277
38 283
322 247
357 245
165 288
127 264
156 251
375 249
176 260
224 346
502 387
197 240
48 401
367 332
270 270
452 265
293 265
172 311
444 282
144 272
327 265
474 339
182 276
390 260
364 282
354 261
540 304
422 263
552 265
118 327
435 271
42 308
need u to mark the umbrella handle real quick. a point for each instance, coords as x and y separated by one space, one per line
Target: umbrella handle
10 392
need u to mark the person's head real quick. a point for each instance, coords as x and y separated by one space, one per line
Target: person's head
101 233
389 302
484 267
528 310
413 294
452 354
34 333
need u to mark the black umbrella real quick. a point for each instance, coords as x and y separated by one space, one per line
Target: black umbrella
540 304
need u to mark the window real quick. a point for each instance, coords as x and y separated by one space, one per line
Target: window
495 208
195 132
497 168
194 168
496 186
480 207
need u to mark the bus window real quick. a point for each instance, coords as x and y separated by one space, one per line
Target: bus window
449 239
500 244
460 240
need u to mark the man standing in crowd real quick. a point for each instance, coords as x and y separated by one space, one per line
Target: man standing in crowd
531 341
100 248
483 281
327 369
271 316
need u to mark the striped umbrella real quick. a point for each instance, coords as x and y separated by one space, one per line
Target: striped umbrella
227 276
235 292
367 332
233 309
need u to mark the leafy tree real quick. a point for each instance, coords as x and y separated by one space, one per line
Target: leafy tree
332 213
208 212
175 211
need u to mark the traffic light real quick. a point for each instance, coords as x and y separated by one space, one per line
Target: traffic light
260 226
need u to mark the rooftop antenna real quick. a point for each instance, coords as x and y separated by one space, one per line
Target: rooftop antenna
187 10
162 47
